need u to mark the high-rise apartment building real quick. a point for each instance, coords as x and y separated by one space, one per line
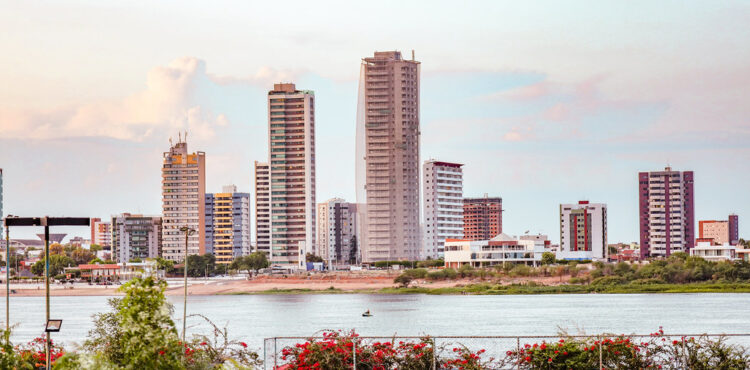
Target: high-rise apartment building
101 233
262 209
720 232
291 144
667 220
387 157
183 194
583 231
337 225
443 205
135 236
483 217
227 224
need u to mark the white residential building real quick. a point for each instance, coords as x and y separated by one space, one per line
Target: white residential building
714 252
583 231
443 206
496 251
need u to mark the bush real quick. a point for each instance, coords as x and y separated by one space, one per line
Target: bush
520 270
404 280
335 351
450 274
416 273
608 280
436 275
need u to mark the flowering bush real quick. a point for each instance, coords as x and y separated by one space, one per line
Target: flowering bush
621 352
35 354
337 350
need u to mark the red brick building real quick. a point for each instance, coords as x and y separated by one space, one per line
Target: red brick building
483 218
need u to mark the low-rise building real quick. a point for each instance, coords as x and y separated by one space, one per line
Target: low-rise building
496 251
712 251
583 231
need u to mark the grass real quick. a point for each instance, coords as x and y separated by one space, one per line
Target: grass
526 289
495 289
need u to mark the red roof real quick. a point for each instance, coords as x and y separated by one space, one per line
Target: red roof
98 267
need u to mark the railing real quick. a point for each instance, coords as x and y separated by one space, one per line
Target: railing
505 352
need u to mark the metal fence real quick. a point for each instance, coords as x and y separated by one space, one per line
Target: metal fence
502 352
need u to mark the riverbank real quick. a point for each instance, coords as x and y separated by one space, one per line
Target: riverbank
382 283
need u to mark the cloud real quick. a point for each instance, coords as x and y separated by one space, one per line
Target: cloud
169 103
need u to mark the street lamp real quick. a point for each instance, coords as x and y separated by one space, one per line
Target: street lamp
188 231
46 222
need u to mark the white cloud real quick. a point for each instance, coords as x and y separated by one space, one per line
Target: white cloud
167 104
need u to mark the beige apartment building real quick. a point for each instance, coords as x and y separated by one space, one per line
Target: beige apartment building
337 225
387 157
291 144
183 194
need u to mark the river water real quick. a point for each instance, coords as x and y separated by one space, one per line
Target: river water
254 317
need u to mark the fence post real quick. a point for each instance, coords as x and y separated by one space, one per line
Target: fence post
434 354
601 365
518 352
265 357
354 354
274 354
684 353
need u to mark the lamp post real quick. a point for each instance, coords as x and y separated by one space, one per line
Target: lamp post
7 276
46 222
188 231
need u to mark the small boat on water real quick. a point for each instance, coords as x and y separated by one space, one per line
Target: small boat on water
367 314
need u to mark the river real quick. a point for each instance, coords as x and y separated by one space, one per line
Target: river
254 317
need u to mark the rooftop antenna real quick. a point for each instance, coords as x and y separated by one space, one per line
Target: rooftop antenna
179 137
412 54
170 142
186 136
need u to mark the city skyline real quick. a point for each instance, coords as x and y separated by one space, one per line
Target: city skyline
533 133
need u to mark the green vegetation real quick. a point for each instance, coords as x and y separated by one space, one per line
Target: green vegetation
254 261
200 266
531 288
57 263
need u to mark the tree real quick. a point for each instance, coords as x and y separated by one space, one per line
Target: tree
140 333
353 251
199 266
57 263
548 258
165 264
56 248
95 248
254 261
309 257
82 256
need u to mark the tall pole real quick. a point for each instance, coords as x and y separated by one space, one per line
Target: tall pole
7 278
46 287
184 304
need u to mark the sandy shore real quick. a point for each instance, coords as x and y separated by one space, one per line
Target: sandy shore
342 281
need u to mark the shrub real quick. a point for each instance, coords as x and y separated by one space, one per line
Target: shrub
419 273
608 280
404 280
450 273
436 275
336 351
520 270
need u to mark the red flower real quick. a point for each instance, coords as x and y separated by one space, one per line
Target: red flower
161 352
528 359
243 344
203 343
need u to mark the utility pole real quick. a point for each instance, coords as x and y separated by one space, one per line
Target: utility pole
188 231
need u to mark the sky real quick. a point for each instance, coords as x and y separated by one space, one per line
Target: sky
543 102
